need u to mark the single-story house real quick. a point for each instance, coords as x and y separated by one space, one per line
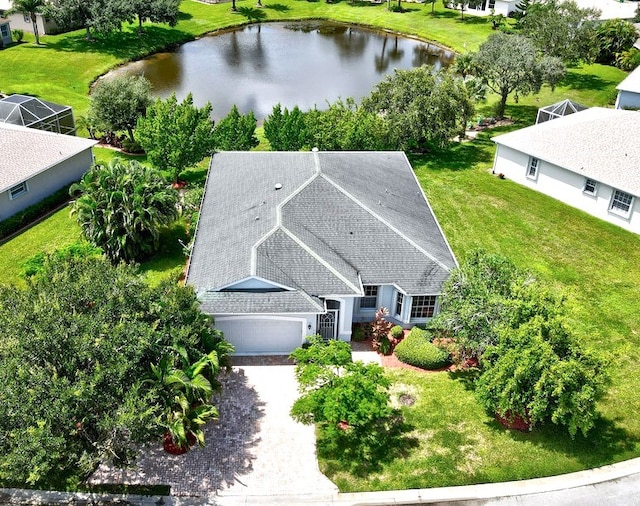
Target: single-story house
34 164
22 21
629 91
5 33
487 7
291 244
33 112
589 160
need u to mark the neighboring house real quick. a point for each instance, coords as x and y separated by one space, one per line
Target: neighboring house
485 7
629 91
290 244
22 21
35 113
5 33
34 164
589 160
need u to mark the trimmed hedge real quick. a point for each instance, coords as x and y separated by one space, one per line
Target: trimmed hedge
20 220
417 350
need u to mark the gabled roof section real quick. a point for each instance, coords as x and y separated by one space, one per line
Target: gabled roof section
337 220
598 143
26 152
631 82
259 303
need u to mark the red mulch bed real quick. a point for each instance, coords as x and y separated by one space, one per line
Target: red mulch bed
392 361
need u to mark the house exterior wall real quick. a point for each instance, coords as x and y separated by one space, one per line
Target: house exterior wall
627 100
45 25
5 33
44 184
566 186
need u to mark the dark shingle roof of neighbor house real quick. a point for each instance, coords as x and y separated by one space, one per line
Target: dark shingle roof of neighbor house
338 220
26 152
598 143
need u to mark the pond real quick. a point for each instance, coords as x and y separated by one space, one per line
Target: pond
304 63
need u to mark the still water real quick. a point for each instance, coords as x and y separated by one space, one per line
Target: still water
305 64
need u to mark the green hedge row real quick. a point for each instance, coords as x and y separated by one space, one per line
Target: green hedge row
32 213
417 350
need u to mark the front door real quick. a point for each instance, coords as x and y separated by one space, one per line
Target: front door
328 322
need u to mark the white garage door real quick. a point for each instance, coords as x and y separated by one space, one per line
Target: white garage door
262 337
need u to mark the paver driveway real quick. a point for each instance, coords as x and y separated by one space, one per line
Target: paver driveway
254 449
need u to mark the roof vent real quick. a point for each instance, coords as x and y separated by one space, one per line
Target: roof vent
278 186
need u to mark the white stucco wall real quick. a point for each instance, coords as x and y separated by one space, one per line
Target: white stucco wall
46 183
627 100
45 25
565 186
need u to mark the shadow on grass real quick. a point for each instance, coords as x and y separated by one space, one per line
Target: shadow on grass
171 255
459 156
452 14
252 13
367 453
604 443
466 377
577 81
278 7
126 44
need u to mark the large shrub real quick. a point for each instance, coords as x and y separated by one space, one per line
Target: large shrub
122 207
79 345
417 350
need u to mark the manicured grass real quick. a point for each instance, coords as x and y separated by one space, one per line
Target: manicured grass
597 265
62 69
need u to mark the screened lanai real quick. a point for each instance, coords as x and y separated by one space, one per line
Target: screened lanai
35 113
557 110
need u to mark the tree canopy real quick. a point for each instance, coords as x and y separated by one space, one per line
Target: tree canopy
122 208
511 64
562 29
79 345
424 108
236 132
175 135
116 104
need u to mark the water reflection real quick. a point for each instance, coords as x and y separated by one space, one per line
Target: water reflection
306 64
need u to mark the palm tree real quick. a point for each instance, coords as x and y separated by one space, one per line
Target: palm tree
30 8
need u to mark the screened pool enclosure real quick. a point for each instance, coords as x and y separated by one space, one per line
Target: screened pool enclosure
35 113
558 110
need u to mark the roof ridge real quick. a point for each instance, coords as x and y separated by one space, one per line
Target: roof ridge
318 258
385 222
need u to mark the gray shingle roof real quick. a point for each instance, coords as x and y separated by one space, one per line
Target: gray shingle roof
598 143
339 220
259 303
26 152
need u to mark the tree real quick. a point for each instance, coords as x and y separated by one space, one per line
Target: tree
175 135
122 208
349 402
79 342
614 37
423 108
236 132
30 8
562 29
541 374
100 15
346 127
474 300
285 130
156 11
510 64
116 104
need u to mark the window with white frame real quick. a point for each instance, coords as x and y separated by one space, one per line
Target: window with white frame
370 299
532 170
423 306
621 203
399 302
27 17
18 190
590 186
